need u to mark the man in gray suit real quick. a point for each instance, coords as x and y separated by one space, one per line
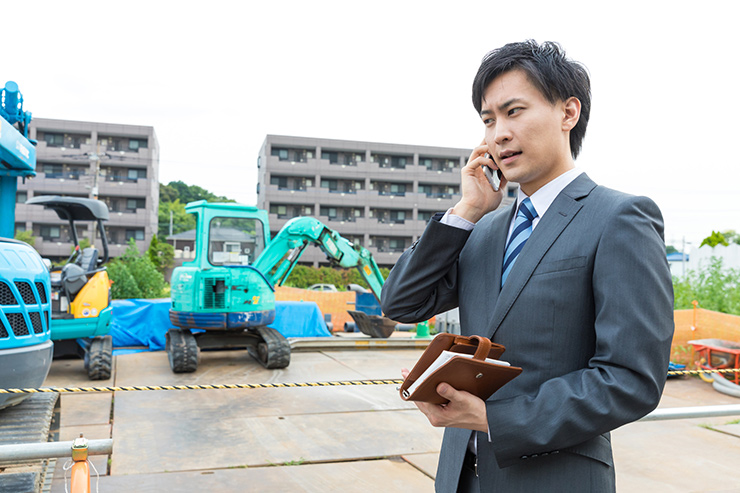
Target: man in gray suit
572 279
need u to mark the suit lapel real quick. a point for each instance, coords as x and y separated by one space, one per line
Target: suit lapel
560 213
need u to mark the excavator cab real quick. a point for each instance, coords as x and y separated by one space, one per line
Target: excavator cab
80 290
227 293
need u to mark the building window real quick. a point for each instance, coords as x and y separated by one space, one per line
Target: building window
136 234
280 210
333 157
388 161
50 233
345 158
136 144
282 154
54 140
133 204
398 217
136 173
294 155
356 240
280 181
328 211
75 141
53 170
425 215
21 197
332 185
396 244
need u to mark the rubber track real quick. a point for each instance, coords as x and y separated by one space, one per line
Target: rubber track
100 358
278 349
182 351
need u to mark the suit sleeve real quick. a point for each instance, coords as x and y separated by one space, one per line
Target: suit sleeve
624 379
424 280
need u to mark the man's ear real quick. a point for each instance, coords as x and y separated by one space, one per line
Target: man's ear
571 113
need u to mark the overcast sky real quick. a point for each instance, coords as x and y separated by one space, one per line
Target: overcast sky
213 78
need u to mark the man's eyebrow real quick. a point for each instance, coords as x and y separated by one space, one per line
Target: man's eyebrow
508 103
502 106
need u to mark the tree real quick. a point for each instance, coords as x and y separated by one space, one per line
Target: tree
716 238
303 276
714 287
731 236
161 254
174 197
25 236
135 276
188 193
670 249
181 220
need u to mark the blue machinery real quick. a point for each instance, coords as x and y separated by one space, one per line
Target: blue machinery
25 292
17 153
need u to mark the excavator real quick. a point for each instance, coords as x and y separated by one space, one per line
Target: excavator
25 306
227 293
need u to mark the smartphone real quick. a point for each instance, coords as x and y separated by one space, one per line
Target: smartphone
493 178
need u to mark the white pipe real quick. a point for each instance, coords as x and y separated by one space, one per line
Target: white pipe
47 450
693 412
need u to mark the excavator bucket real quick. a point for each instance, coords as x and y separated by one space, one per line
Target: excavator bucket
373 325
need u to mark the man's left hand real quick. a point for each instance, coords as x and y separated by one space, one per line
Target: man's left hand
464 410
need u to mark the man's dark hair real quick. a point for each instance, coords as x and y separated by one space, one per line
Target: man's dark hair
548 69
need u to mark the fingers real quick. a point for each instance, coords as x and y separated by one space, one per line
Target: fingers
405 373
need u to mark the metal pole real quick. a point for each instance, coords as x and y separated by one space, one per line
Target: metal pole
693 412
47 450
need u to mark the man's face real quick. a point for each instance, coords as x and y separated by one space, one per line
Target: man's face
527 136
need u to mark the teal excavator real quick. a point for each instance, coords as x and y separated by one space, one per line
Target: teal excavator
26 348
228 290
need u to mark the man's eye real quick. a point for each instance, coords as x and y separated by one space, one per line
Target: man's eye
513 111
488 121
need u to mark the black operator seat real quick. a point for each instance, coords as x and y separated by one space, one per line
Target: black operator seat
89 259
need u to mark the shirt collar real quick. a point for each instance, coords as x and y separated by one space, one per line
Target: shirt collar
544 197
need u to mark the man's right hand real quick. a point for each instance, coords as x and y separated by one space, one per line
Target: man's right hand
478 197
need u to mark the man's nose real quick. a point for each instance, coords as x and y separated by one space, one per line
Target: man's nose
502 133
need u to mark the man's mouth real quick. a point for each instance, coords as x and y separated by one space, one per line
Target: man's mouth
507 156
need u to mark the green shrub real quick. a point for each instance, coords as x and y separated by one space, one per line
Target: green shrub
713 287
135 276
303 277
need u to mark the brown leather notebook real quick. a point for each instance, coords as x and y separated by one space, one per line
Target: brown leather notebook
460 370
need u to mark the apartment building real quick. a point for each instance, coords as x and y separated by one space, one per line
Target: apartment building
117 164
378 195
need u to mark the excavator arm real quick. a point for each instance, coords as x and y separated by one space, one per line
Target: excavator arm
279 258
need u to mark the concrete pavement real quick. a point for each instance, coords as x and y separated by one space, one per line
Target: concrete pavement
349 439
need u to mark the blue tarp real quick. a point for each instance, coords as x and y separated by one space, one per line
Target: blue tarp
144 323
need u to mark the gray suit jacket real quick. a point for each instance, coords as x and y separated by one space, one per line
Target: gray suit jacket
587 312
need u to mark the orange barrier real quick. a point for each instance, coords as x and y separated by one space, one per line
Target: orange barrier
335 304
699 323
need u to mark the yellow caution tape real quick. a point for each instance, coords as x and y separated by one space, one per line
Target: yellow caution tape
697 372
73 390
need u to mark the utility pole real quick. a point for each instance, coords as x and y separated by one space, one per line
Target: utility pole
95 165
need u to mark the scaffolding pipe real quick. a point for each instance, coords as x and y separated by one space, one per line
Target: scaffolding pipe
693 412
48 450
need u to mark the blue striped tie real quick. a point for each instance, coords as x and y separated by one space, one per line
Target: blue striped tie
522 229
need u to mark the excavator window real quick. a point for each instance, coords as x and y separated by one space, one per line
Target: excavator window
234 240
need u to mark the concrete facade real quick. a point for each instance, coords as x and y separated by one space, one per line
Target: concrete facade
118 164
378 195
